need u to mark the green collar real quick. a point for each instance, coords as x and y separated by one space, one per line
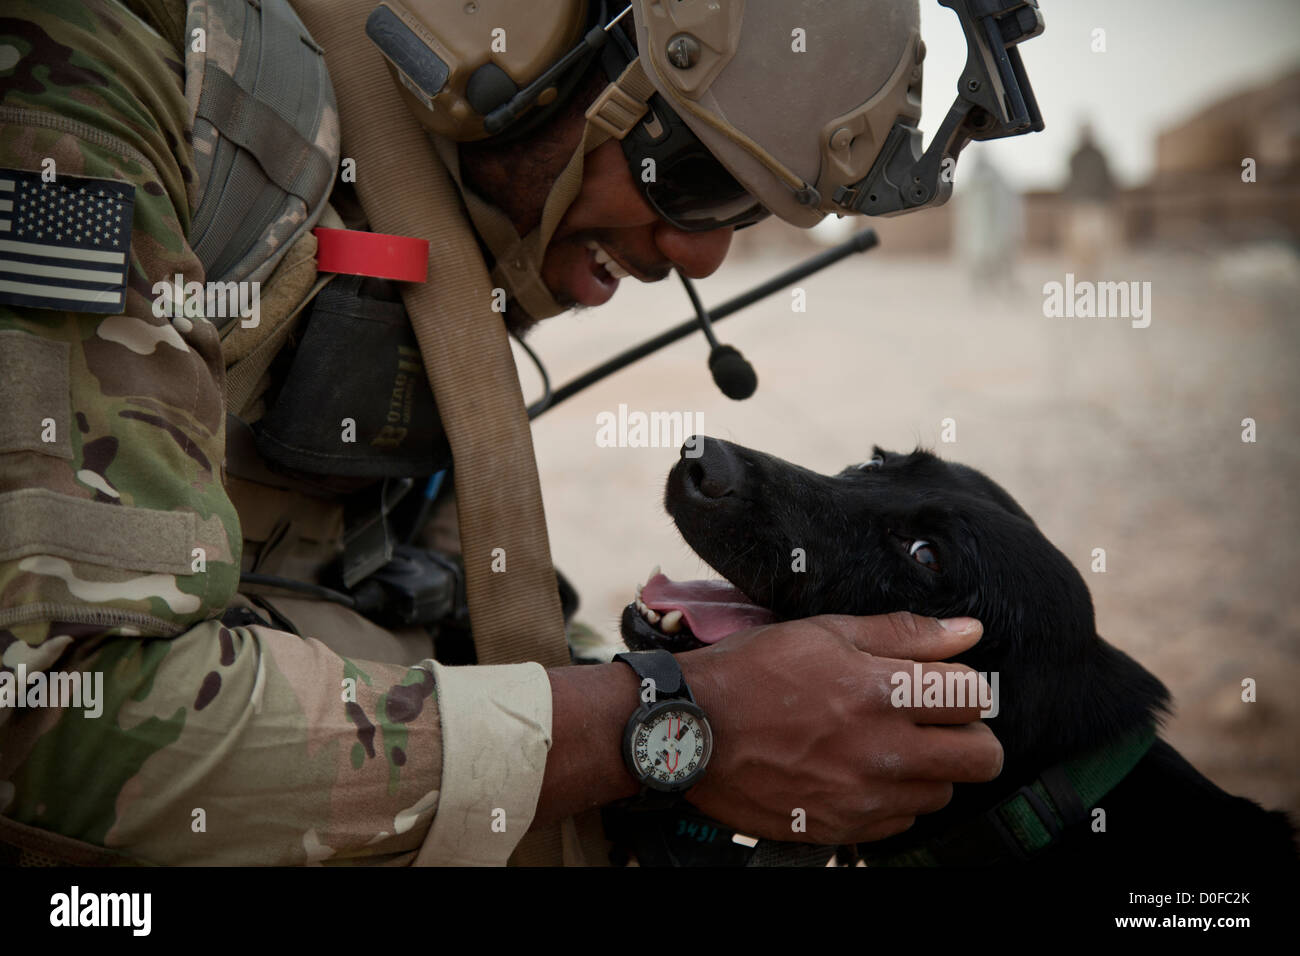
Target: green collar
1036 815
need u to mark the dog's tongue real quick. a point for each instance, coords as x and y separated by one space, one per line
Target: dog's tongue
713 609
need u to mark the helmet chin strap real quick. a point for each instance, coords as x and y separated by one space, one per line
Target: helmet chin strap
518 267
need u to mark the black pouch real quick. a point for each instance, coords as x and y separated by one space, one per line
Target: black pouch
359 360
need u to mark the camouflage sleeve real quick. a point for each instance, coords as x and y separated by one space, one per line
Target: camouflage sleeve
119 548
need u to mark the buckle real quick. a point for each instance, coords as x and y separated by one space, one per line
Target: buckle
1040 808
616 111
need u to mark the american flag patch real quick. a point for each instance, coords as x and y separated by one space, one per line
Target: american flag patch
65 244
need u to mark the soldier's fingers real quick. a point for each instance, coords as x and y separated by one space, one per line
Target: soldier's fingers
905 635
968 753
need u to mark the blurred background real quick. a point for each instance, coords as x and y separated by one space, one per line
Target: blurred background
1114 437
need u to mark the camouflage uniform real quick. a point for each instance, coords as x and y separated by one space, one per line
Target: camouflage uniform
98 532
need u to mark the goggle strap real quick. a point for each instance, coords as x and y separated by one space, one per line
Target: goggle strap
623 102
519 260
516 270
567 186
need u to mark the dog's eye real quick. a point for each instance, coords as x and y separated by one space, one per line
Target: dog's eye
922 553
873 464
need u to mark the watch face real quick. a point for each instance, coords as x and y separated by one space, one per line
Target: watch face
671 746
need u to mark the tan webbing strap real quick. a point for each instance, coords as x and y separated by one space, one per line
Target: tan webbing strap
405 190
621 105
23 845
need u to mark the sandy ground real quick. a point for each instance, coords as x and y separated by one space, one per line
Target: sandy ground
1111 437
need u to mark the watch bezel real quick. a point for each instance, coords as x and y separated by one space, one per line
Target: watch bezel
646 714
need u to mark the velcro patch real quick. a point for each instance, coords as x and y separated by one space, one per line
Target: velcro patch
34 395
65 244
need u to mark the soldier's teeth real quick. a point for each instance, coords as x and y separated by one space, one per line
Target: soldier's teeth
604 258
671 623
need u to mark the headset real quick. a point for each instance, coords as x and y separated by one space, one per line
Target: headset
459 90
462 90
465 92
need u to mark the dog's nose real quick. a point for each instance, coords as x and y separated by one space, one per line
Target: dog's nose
714 467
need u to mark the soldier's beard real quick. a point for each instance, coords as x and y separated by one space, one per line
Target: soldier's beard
520 322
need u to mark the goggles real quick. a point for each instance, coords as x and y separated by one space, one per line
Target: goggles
681 180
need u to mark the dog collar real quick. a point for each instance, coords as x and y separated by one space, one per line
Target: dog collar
1035 816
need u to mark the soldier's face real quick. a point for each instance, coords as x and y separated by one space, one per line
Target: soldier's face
610 232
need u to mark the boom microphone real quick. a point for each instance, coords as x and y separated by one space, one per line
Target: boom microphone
731 371
864 240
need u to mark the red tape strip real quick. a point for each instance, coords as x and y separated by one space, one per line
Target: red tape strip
403 258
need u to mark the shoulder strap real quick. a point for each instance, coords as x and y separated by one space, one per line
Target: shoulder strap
516 616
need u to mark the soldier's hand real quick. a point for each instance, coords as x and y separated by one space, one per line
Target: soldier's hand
805 730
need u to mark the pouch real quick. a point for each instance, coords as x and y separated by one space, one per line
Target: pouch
356 400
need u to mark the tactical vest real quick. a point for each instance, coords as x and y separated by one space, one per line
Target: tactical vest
266 134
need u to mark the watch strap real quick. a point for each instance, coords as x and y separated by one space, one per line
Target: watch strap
661 667
650 799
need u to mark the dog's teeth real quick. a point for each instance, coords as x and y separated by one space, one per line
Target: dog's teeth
651 616
671 623
653 572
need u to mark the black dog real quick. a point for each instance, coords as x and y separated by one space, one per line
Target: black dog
914 533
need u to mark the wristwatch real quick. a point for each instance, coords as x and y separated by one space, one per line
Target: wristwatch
668 741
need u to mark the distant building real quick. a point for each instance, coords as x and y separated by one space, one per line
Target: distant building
1197 193
1196 196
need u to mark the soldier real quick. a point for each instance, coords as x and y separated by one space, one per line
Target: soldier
269 722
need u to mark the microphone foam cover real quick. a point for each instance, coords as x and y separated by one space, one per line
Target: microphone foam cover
732 373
